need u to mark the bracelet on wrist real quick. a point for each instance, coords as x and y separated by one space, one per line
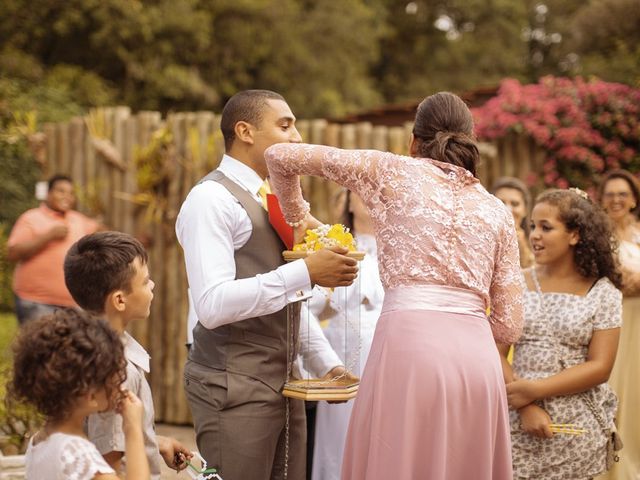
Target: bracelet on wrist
298 223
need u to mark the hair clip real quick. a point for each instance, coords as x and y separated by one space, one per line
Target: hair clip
579 192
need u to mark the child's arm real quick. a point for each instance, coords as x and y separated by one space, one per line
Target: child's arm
594 371
534 420
114 459
173 452
137 464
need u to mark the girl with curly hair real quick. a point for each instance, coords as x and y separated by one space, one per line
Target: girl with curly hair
69 365
568 347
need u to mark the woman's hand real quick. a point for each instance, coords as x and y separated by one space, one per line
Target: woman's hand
309 223
521 393
535 421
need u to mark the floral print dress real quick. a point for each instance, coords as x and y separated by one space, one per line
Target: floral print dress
556 336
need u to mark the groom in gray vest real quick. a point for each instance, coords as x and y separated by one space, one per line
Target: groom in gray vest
240 287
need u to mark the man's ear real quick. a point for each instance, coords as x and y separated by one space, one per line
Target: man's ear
116 301
244 132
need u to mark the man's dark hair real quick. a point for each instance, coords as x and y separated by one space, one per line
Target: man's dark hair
58 177
99 264
246 106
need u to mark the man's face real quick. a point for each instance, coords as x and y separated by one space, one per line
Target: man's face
278 125
61 197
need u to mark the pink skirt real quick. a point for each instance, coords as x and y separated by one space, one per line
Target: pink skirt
432 402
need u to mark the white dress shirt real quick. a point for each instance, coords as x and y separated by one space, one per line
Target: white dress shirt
210 227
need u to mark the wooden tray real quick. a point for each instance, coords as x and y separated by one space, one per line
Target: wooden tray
290 255
316 389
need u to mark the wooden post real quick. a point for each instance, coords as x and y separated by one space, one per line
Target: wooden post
397 141
364 134
304 129
118 118
379 140
49 167
129 182
63 165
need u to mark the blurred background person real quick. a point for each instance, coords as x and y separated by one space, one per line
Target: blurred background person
515 195
620 198
365 300
38 243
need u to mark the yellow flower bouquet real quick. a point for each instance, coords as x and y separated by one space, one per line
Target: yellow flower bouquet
324 236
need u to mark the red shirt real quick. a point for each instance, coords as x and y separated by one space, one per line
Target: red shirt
41 277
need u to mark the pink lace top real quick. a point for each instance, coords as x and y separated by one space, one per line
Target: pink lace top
435 223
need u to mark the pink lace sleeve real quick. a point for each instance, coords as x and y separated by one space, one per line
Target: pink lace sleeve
507 289
357 170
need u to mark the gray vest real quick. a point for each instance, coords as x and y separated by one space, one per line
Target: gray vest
255 347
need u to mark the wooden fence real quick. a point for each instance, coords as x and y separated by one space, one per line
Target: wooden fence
134 171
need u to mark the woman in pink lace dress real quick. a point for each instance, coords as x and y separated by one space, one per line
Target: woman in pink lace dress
432 403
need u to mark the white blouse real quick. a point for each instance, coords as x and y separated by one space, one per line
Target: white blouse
64 457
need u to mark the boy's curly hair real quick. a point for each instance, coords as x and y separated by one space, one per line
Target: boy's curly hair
595 253
59 357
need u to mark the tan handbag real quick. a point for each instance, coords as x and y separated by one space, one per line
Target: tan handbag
614 441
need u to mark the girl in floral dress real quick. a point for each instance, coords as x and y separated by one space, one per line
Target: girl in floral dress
567 350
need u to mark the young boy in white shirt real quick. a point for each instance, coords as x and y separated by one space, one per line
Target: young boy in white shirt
107 274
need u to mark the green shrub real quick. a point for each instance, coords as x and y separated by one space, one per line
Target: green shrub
17 422
24 105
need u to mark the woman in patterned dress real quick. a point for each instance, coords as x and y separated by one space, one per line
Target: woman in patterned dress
431 403
567 350
620 198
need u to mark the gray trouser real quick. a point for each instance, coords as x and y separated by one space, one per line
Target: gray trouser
240 425
29 310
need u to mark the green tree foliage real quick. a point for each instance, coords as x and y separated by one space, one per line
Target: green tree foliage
328 57
194 54
23 106
606 34
455 45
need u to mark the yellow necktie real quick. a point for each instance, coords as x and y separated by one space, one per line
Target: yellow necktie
265 188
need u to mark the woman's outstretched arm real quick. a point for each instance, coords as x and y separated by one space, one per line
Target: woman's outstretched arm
358 170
